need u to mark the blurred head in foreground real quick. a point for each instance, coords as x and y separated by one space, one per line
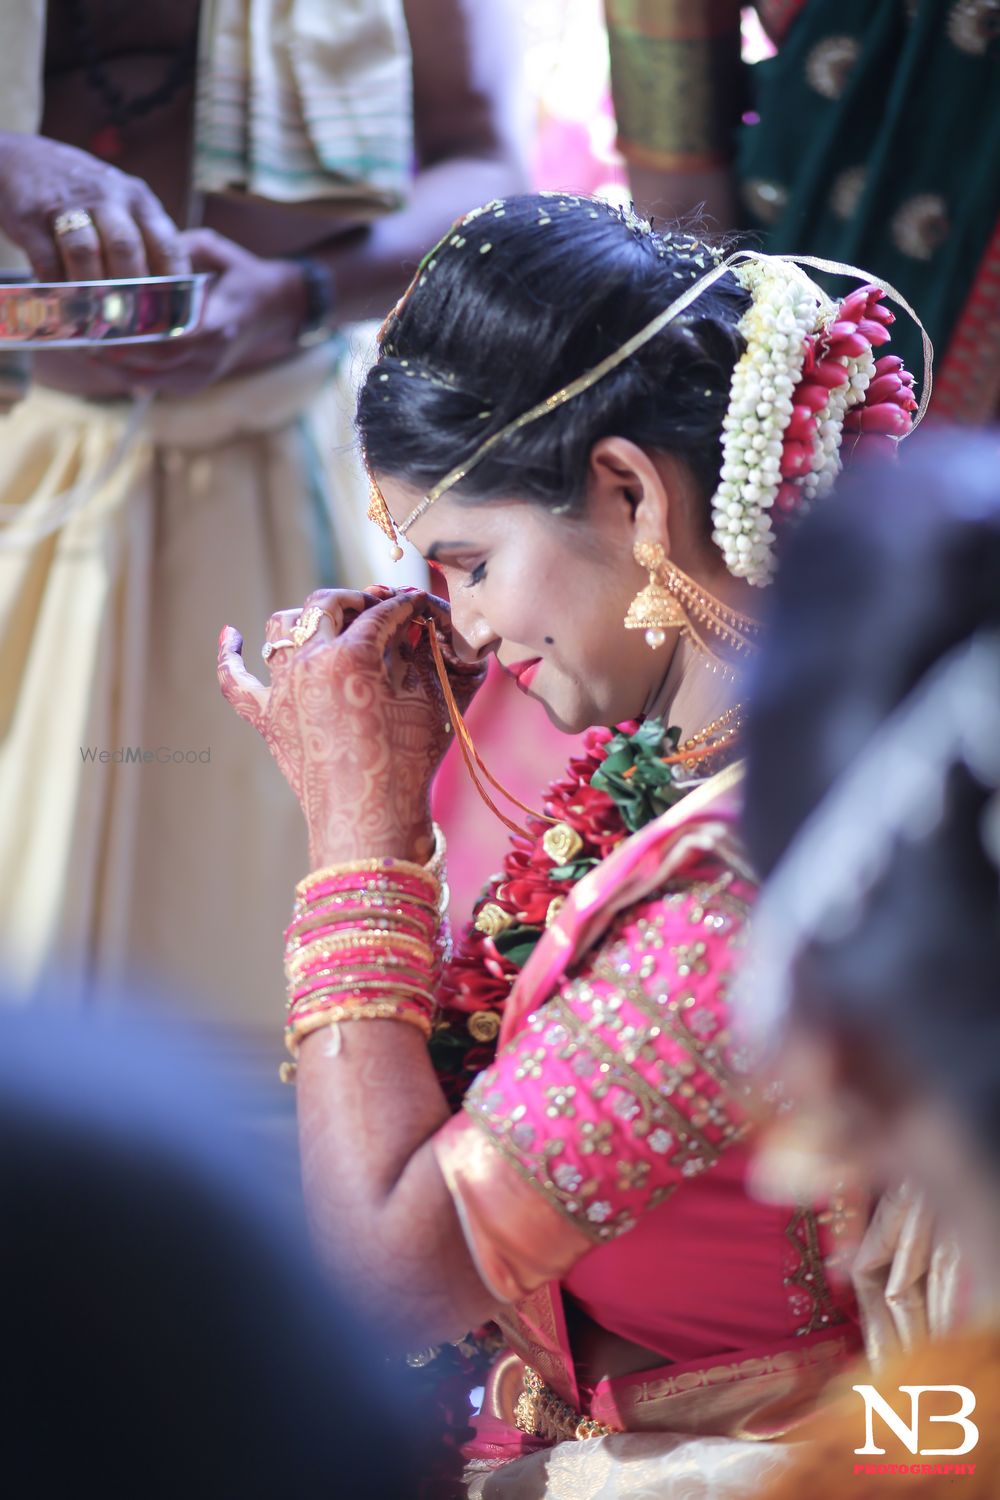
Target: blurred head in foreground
163 1330
873 810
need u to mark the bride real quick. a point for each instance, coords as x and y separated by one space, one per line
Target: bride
595 434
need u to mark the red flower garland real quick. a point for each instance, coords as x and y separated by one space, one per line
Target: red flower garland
885 415
479 977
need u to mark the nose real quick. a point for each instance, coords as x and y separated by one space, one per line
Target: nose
471 636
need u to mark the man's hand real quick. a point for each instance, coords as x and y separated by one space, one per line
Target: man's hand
253 313
124 230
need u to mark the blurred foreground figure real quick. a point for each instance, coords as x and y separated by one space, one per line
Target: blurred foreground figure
873 808
163 1330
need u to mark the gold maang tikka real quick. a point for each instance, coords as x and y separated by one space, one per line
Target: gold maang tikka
673 601
378 512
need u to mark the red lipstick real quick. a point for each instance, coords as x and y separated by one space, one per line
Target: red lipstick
523 672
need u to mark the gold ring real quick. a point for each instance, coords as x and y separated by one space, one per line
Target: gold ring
307 625
270 647
72 220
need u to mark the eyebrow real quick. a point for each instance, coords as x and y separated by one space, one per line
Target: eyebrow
436 548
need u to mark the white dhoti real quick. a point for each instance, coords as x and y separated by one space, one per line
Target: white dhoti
145 831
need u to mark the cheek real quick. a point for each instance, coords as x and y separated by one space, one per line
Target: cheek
527 601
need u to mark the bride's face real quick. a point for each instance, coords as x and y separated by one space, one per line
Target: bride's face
546 595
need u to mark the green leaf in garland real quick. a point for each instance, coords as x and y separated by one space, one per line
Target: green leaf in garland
518 943
574 871
633 774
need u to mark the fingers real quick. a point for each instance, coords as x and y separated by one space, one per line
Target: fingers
340 607
166 253
122 244
79 250
239 687
384 624
42 252
209 251
278 646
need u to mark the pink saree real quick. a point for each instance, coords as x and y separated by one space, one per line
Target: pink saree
599 1164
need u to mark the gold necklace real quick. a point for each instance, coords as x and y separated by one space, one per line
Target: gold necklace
725 731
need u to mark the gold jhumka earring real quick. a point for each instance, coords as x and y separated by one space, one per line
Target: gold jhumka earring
673 601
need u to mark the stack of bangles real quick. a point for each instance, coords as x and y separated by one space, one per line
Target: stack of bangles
364 944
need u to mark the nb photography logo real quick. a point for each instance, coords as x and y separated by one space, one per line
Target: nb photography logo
930 1407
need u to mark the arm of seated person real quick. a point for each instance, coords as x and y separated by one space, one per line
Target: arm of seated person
468 141
622 1087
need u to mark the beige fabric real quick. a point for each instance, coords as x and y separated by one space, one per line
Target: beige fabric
636 1466
305 101
109 629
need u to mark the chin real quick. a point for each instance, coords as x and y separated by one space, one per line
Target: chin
572 718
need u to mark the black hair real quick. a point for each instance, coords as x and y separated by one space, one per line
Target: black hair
524 296
898 567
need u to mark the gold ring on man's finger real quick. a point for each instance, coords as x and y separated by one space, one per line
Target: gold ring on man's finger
71 220
270 647
307 625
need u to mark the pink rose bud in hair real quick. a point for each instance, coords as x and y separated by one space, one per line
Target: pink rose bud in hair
831 373
885 418
884 388
855 305
874 332
795 460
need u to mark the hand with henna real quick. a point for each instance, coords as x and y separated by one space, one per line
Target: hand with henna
355 717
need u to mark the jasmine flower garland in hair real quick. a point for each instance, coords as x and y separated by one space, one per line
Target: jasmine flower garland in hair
807 374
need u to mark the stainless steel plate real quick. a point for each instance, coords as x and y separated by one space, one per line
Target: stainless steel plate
87 314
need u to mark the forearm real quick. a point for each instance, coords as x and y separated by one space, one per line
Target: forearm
667 195
677 83
381 1214
372 268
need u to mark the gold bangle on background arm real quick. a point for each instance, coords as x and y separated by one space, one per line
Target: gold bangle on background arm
676 79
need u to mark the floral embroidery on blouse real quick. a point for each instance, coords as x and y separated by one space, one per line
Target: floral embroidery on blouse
628 1081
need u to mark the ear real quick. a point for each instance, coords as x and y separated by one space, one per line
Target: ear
627 489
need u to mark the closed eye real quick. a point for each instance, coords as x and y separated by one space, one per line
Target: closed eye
476 576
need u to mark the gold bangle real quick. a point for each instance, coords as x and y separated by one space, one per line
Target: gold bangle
392 943
366 867
367 937
375 901
391 964
360 923
357 984
367 911
334 1015
436 864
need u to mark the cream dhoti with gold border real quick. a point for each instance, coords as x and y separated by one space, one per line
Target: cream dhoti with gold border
177 870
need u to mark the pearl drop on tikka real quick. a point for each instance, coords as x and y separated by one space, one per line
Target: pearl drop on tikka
655 638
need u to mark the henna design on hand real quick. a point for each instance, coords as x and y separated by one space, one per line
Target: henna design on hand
355 718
